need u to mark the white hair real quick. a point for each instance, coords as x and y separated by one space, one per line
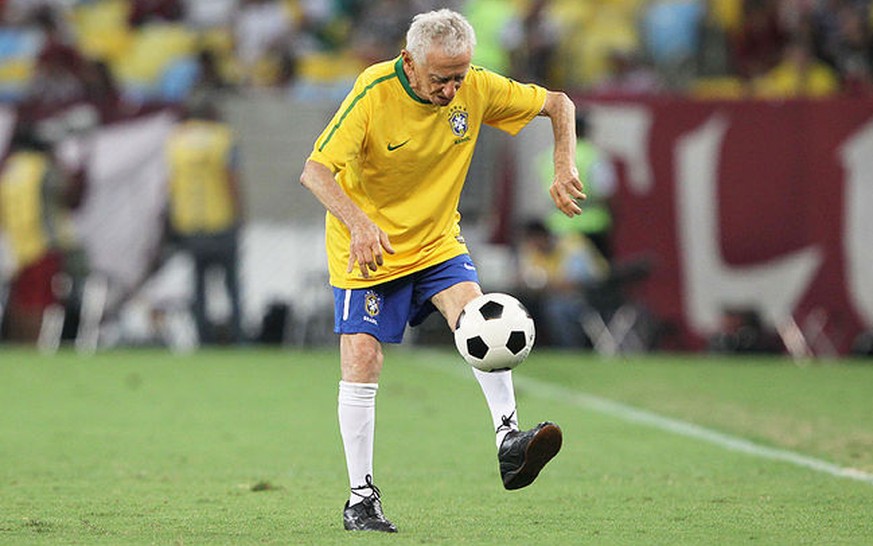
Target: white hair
444 28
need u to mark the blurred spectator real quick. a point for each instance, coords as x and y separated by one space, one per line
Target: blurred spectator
60 71
599 177
490 18
210 78
210 13
288 72
381 30
22 11
147 11
33 204
670 32
743 331
325 25
862 345
629 75
611 48
799 75
824 22
852 50
760 41
263 28
532 40
553 272
103 93
713 55
206 207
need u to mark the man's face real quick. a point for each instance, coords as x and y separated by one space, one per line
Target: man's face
438 77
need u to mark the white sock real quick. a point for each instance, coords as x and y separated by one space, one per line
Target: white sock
357 421
500 395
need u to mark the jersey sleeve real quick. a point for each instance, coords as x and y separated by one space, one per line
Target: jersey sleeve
343 138
511 105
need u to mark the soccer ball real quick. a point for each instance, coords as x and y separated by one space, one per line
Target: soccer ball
494 332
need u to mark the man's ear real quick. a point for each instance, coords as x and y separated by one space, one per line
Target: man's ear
407 58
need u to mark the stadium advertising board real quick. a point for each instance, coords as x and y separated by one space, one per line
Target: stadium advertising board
747 204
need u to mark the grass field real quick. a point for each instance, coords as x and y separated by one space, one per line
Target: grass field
242 447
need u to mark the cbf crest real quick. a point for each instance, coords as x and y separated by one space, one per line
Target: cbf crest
372 303
458 121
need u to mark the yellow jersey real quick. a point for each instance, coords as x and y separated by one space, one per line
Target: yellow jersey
24 217
404 160
199 154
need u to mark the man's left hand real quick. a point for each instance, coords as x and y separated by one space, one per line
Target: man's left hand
567 191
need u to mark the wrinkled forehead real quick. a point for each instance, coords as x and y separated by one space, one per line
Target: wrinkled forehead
442 65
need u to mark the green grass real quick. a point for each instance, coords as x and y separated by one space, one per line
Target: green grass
242 447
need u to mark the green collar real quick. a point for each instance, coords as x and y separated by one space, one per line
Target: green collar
404 81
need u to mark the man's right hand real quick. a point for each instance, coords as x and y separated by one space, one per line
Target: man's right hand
368 242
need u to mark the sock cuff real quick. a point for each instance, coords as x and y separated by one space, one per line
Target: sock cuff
495 374
358 394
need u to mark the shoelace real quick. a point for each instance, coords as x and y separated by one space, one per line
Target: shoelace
507 422
368 484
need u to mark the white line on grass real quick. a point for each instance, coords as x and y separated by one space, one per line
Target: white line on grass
631 414
684 428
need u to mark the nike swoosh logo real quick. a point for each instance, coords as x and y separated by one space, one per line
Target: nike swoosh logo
392 147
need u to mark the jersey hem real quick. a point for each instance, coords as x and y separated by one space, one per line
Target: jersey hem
344 284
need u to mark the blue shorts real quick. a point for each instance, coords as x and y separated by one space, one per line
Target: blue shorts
384 310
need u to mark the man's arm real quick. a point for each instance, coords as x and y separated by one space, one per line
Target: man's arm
566 188
368 240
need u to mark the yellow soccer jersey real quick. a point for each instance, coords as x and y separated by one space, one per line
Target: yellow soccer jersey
403 161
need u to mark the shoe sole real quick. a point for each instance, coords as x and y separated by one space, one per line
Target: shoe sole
542 448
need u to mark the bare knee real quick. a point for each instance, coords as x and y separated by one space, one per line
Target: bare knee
361 358
452 300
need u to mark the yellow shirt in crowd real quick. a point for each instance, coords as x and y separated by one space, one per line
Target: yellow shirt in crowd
201 200
23 214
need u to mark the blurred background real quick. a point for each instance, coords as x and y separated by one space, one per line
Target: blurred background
151 151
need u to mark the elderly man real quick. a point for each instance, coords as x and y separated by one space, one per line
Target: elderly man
389 169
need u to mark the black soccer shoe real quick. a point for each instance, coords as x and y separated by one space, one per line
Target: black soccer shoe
367 515
523 454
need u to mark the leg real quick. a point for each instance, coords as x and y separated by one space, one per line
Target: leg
451 301
30 294
522 454
360 358
365 318
361 364
231 282
199 305
497 386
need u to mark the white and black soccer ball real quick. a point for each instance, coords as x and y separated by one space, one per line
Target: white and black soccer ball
494 332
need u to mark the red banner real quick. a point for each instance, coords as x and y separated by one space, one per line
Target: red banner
758 205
